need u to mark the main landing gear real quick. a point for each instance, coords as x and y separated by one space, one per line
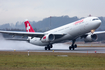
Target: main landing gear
73 46
48 47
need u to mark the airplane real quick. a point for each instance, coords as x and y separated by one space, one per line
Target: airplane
84 28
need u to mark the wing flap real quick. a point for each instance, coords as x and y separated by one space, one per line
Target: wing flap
16 39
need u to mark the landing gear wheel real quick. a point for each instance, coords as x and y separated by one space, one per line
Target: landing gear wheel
48 48
70 48
75 46
51 46
45 48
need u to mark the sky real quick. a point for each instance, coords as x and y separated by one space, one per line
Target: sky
12 11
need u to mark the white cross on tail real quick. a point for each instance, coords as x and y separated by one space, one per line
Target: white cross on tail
28 27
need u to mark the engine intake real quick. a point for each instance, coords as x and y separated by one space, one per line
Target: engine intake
48 38
90 38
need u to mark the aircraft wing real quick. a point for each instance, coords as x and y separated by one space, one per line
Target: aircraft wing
31 34
99 32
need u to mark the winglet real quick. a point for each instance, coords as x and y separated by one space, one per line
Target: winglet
28 26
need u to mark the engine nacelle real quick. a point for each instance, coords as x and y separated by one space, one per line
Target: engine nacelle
28 39
48 38
90 38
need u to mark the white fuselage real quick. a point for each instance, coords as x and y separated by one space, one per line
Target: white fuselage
72 30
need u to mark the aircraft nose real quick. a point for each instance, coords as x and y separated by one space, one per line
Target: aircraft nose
99 22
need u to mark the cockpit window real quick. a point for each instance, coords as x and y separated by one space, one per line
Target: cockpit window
95 19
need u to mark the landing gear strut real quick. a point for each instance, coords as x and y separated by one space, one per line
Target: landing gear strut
48 47
73 46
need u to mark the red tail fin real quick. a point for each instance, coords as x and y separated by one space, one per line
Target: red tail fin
28 26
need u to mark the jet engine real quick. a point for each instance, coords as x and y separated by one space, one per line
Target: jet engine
48 38
28 39
90 38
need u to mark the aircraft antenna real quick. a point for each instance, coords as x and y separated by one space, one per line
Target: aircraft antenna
90 15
